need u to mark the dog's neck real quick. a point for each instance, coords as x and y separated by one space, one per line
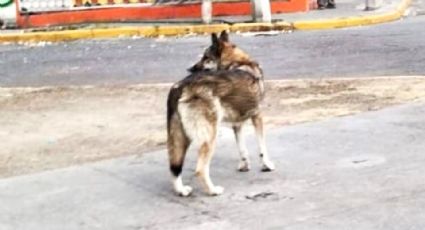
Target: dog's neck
251 67
248 66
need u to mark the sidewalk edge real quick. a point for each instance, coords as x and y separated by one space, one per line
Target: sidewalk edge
353 21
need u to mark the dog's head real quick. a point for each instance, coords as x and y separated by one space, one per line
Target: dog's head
220 55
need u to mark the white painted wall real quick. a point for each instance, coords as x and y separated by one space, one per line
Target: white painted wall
46 5
8 14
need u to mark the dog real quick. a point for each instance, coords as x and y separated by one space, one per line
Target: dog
225 85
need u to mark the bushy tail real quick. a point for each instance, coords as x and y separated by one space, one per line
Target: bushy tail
172 103
177 141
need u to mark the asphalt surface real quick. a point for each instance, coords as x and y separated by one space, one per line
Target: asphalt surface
388 49
358 172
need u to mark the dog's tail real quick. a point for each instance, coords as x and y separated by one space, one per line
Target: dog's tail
172 102
177 140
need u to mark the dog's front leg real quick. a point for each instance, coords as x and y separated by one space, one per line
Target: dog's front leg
268 165
244 164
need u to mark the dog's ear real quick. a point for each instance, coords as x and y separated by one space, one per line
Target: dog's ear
224 36
214 39
216 45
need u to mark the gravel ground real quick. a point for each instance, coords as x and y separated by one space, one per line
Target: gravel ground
53 127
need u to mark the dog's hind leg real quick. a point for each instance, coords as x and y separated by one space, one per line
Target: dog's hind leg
203 167
200 117
244 164
178 143
257 121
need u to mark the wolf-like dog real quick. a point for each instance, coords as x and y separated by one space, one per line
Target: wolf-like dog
225 85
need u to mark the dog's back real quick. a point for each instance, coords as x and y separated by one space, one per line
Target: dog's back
238 92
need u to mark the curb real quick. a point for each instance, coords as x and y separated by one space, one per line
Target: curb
158 31
147 31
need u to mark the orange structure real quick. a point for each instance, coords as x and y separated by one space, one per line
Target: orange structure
121 13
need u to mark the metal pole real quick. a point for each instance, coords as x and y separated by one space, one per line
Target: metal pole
373 4
261 11
206 10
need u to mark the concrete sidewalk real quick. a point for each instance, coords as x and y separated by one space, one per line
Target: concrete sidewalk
357 172
345 9
347 14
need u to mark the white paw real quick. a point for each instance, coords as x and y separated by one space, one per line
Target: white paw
184 191
268 166
244 166
216 190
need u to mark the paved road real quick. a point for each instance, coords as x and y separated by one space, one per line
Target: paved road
358 172
388 49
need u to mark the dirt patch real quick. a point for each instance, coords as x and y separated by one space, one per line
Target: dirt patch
46 128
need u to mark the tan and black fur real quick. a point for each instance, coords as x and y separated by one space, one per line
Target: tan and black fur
225 85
